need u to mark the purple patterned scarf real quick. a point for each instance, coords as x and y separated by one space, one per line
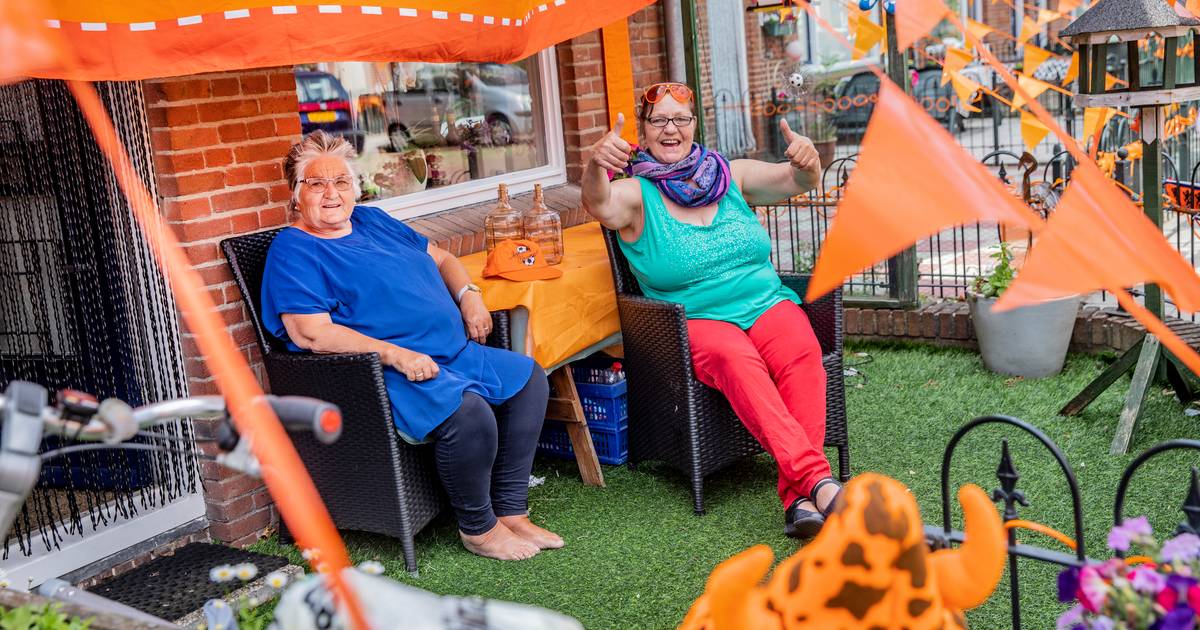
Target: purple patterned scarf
698 180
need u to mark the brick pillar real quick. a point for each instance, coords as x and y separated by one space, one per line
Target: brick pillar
219 142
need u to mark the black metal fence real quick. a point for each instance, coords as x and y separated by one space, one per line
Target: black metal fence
1013 498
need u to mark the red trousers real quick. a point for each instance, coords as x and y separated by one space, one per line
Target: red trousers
774 380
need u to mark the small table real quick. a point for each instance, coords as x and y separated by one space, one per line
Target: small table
559 321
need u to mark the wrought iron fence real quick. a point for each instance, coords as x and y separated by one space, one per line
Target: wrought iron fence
1013 498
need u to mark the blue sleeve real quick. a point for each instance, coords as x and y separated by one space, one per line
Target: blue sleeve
395 227
293 282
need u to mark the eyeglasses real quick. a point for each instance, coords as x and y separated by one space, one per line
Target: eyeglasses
679 121
678 91
320 184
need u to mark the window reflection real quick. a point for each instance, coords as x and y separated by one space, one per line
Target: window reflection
418 126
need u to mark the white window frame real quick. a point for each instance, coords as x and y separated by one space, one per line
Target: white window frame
435 200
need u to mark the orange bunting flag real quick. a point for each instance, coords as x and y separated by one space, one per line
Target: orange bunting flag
1073 69
1031 86
1111 80
1094 120
886 208
1193 7
1032 130
965 89
1029 28
1066 7
1097 239
956 59
981 30
1034 58
915 18
1046 16
867 35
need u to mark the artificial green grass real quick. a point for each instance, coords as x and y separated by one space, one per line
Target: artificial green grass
636 556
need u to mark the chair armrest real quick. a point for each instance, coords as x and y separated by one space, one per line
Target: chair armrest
353 382
655 338
825 313
501 335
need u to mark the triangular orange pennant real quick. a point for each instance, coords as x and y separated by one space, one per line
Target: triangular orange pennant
956 59
1034 57
1111 80
1193 7
868 34
1032 130
1097 239
1067 7
1046 16
1073 69
980 30
915 18
1029 28
1094 120
886 209
1032 87
965 89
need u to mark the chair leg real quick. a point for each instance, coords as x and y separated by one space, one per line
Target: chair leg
844 463
285 536
698 494
410 555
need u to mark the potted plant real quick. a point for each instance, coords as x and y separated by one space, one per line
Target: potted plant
775 27
823 134
1030 341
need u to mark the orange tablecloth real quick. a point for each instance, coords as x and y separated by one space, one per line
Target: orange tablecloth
566 315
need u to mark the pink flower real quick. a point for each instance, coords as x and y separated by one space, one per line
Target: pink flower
1093 590
1167 598
1193 597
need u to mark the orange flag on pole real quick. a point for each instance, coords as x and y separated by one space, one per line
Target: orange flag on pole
1097 239
886 208
915 18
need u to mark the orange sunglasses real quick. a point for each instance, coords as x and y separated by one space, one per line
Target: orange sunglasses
658 91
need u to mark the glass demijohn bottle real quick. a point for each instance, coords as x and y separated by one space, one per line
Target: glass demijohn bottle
503 222
544 227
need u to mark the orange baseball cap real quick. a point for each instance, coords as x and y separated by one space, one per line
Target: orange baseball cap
519 260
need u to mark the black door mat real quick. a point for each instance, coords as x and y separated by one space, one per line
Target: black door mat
172 586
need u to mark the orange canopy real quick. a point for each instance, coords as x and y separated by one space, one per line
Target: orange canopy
139 39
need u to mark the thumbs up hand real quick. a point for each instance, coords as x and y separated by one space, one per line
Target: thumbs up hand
612 152
800 150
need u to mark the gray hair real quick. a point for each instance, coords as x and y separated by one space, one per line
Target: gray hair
314 145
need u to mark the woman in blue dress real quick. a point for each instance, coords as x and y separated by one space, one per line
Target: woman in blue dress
346 278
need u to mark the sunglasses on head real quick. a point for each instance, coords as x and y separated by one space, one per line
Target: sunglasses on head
658 91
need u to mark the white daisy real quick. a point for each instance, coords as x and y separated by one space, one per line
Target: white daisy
221 573
246 571
371 567
277 579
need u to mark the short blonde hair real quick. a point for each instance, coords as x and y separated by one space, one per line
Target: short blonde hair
314 145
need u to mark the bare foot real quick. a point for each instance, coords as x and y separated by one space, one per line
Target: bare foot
500 543
523 527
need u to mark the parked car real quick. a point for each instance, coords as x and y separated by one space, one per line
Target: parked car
497 94
852 114
325 105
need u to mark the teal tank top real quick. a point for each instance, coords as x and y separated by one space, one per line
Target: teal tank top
720 271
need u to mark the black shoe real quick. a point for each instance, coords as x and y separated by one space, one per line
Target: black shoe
832 505
801 523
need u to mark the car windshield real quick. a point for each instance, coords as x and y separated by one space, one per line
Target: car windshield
321 87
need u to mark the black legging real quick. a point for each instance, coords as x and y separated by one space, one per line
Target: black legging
484 455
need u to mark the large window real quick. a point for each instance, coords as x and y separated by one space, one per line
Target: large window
432 136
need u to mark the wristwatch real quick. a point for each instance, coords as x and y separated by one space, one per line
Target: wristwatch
463 291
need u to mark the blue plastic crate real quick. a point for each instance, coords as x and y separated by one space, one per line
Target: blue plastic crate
605 406
595 369
612 446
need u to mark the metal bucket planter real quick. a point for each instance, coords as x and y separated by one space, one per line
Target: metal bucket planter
1030 341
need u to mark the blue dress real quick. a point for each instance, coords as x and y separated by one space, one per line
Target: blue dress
380 281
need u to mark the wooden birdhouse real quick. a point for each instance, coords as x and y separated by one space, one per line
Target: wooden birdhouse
1148 35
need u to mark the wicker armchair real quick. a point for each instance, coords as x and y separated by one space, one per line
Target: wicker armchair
370 479
677 419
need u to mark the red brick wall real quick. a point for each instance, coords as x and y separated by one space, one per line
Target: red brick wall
219 142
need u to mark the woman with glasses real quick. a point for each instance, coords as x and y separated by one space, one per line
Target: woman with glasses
346 278
686 226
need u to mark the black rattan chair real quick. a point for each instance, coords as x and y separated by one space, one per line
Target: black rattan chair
370 479
677 419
